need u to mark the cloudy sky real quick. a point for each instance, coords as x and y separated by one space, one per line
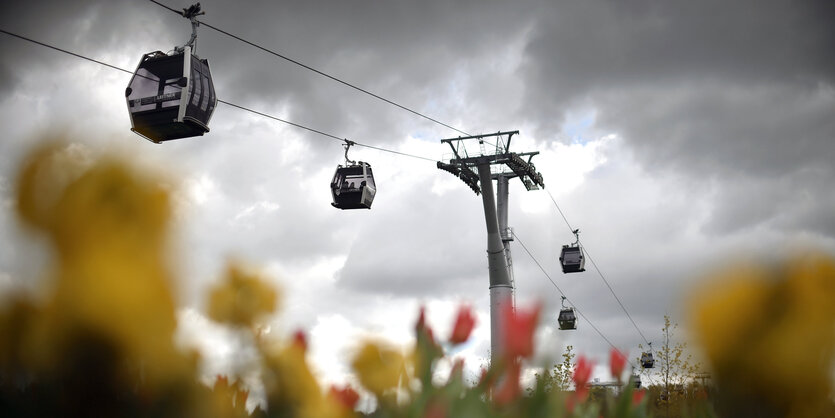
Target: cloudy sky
678 136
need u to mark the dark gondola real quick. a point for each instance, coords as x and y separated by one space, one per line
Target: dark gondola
647 361
352 186
172 96
567 319
635 379
572 258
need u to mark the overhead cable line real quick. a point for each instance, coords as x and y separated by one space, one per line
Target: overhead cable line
64 51
599 272
625 355
284 57
560 290
322 73
219 100
358 144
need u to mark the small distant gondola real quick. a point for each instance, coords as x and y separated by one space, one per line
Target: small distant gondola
352 186
647 361
172 96
567 319
572 258
635 379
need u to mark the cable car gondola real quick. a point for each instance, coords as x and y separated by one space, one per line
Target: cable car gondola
571 257
647 361
171 96
353 185
567 319
635 379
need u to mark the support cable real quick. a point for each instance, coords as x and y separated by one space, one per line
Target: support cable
322 73
599 272
516 237
366 146
625 355
266 115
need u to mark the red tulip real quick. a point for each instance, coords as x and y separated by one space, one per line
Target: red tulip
347 396
519 329
582 372
457 369
421 322
464 324
638 396
617 361
300 339
509 385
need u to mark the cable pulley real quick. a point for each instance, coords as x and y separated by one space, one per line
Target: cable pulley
191 14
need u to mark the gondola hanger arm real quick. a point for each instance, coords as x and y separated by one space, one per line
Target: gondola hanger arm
347 145
191 14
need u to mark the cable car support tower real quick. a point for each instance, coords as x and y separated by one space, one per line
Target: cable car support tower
494 161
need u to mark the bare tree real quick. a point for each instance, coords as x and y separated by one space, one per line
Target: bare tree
676 368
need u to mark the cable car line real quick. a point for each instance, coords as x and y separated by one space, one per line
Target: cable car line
64 51
599 272
616 297
340 139
282 120
266 115
323 134
516 237
322 73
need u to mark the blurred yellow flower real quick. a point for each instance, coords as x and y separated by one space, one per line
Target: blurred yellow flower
770 333
44 175
241 298
109 227
292 390
378 367
735 303
228 401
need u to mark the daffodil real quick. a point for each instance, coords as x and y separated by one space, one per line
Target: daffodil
769 334
111 282
241 298
292 390
378 366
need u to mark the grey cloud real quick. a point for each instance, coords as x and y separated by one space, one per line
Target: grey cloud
732 95
407 251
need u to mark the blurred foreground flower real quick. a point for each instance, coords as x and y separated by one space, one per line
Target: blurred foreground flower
346 396
518 331
769 335
617 361
581 376
109 225
100 340
241 298
379 367
292 390
464 324
638 396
